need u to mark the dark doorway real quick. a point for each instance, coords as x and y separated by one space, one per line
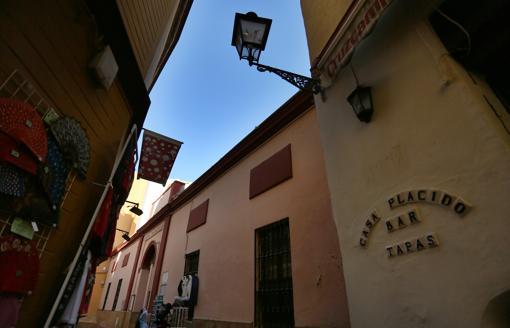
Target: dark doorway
143 297
497 312
273 276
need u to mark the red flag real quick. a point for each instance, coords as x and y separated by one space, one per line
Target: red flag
157 157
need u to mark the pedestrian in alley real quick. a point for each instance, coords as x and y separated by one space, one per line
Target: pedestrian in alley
141 322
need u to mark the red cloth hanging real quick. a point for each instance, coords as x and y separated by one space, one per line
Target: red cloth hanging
19 265
16 154
21 121
103 216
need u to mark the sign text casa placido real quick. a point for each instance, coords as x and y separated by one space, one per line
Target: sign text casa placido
411 217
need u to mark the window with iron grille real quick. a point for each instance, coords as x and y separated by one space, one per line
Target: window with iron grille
273 276
191 263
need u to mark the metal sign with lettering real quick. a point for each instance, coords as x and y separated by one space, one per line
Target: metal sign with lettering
352 33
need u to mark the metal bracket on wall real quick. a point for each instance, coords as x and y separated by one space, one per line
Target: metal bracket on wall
302 82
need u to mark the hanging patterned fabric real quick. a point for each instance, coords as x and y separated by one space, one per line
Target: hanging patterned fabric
70 313
17 155
12 181
10 304
110 237
157 157
101 228
21 122
73 143
35 205
89 286
19 265
125 173
72 284
54 174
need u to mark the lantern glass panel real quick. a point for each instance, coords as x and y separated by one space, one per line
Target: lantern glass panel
355 101
238 42
366 98
253 33
361 102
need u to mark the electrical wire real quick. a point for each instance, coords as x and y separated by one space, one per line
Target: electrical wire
354 73
454 22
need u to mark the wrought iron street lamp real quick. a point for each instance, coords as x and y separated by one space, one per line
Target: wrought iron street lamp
249 38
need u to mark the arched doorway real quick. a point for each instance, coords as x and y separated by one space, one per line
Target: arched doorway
497 312
146 272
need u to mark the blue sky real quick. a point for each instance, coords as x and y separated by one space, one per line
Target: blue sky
209 99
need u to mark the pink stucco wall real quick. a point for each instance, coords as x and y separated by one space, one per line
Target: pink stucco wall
226 241
123 273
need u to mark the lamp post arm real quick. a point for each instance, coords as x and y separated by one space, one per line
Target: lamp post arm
302 82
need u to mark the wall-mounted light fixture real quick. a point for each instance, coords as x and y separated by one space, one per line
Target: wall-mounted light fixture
361 101
135 209
125 234
249 38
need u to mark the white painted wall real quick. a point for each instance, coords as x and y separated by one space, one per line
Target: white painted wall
424 134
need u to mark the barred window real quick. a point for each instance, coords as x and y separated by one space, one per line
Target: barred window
191 263
273 286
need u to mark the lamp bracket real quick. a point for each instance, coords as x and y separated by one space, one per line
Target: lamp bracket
299 81
124 231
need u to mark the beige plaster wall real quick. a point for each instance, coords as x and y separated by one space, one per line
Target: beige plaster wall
173 262
226 241
321 19
431 128
127 220
98 290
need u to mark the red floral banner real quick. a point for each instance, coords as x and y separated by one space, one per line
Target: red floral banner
157 157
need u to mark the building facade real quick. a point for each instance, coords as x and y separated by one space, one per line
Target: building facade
257 231
418 193
46 61
126 225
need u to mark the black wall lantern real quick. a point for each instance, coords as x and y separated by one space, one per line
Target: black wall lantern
125 234
135 209
361 102
249 37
